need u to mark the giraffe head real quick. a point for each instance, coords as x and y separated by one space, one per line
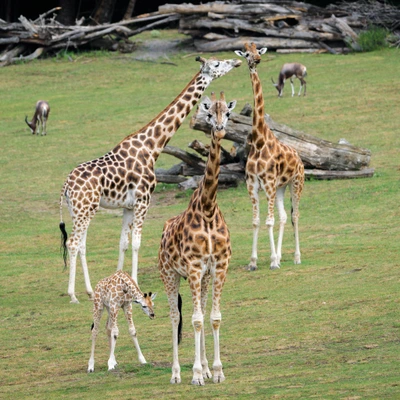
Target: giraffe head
213 68
252 55
146 303
217 113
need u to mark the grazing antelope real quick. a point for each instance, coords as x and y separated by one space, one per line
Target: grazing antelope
42 111
291 70
115 292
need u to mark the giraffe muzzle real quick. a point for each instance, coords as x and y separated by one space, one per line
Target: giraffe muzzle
236 63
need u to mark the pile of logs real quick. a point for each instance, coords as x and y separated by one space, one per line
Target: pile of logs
322 159
26 40
285 26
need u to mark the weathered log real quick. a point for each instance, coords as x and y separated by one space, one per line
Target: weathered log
329 175
224 179
225 8
246 27
183 155
238 43
349 35
166 178
315 152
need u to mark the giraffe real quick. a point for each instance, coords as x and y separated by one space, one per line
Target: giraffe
125 178
196 245
115 292
271 166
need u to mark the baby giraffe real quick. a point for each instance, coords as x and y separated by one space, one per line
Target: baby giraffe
118 291
196 245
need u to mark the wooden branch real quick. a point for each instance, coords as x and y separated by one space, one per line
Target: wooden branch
188 158
204 150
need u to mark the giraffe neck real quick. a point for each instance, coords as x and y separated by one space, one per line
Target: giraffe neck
157 133
209 184
260 131
136 293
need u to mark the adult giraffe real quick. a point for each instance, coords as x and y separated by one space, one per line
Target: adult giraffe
125 178
271 166
196 245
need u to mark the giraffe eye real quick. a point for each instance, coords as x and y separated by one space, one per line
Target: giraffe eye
217 65
209 116
228 114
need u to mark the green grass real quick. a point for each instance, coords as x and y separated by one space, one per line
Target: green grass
328 328
373 38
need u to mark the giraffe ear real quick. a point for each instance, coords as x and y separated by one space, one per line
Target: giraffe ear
153 296
263 50
231 105
205 104
239 53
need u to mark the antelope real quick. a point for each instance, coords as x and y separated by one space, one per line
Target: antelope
42 111
291 70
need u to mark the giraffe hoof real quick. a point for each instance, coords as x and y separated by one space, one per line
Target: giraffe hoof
219 378
251 267
198 382
272 267
74 300
207 374
175 380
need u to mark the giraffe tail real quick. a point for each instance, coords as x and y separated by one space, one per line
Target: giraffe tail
64 235
64 248
180 318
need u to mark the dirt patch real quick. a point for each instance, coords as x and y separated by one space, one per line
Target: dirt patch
159 50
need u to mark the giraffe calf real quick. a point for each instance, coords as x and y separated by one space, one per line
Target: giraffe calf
113 293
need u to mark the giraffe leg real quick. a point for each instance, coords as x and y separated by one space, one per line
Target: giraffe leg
280 194
77 244
127 223
215 319
204 292
82 253
270 224
253 192
132 332
113 332
97 313
72 273
171 284
140 212
197 322
296 190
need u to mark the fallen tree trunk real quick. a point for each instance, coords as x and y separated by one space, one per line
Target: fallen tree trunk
322 159
315 152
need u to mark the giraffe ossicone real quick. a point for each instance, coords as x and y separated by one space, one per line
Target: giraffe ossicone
196 245
125 178
113 293
271 167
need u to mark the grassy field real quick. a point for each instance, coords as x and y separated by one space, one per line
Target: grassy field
326 329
